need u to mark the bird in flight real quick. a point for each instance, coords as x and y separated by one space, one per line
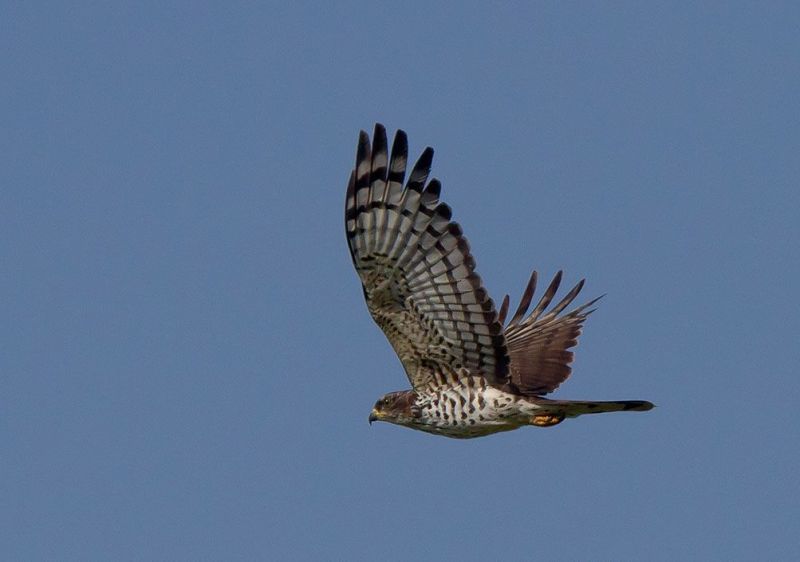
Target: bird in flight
472 374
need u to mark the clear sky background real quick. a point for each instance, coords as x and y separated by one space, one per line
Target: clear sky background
187 363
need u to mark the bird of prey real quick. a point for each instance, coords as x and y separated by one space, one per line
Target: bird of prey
471 373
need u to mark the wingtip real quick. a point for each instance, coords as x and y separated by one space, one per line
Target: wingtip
401 136
426 158
501 314
420 171
363 152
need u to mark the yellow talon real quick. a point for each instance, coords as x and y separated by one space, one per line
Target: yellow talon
546 420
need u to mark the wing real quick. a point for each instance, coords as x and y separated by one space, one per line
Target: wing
539 343
416 269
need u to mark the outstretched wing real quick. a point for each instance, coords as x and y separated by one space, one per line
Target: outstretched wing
416 269
539 343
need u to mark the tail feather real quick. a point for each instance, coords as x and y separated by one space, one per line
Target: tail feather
573 408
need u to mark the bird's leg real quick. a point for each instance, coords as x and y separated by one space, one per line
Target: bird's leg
546 420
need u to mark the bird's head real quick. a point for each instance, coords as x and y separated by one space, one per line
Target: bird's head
396 407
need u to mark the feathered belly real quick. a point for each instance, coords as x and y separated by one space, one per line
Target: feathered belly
471 410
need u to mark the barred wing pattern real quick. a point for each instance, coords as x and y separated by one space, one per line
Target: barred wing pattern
539 343
416 269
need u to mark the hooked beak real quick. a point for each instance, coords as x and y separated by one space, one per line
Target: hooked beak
373 416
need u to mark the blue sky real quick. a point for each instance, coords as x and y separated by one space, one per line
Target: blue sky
187 361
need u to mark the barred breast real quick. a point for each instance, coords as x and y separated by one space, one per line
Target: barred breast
469 407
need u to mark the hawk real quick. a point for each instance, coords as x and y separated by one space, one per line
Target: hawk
471 373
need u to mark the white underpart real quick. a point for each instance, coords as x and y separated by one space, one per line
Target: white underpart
470 408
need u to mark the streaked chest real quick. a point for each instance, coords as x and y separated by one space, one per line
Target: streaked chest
469 408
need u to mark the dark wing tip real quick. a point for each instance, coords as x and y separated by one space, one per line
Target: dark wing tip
379 139
565 302
426 158
363 153
432 191
525 301
443 210
453 228
399 158
434 187
419 175
400 144
501 314
548 295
